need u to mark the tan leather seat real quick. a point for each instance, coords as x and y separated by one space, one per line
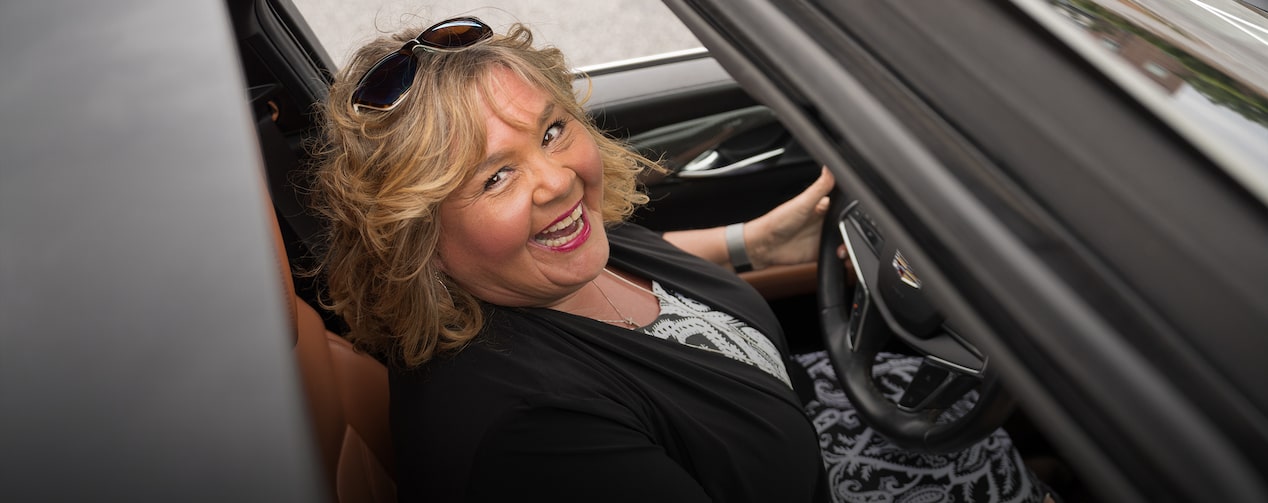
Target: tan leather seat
347 396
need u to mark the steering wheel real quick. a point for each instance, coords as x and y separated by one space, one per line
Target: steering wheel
888 303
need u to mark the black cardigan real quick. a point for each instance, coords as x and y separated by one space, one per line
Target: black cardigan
548 406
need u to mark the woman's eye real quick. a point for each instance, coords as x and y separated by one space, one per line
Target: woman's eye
553 132
497 178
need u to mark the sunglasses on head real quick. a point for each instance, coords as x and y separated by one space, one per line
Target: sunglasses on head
386 83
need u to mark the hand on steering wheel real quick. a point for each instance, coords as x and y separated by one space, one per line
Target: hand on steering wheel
887 302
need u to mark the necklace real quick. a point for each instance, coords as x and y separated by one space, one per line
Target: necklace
722 327
631 283
761 352
625 320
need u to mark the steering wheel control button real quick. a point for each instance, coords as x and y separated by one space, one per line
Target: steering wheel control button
867 227
923 385
858 311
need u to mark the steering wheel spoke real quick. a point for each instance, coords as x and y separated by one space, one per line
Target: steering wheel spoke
935 388
949 350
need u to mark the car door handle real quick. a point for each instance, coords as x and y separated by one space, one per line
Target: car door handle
712 142
706 165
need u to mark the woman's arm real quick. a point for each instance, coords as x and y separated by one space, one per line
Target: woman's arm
787 235
707 244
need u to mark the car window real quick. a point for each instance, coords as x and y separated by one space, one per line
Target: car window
589 33
1202 65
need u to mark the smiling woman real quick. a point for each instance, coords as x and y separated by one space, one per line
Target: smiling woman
539 346
476 243
416 185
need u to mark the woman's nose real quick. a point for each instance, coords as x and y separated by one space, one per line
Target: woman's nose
553 181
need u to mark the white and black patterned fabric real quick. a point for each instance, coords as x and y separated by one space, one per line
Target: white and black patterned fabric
863 466
687 321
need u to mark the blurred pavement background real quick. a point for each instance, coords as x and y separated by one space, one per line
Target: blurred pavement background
588 31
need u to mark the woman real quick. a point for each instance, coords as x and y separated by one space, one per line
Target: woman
539 347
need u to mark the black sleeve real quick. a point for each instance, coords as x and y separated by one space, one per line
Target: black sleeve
556 454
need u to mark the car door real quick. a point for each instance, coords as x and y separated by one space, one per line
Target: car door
1105 253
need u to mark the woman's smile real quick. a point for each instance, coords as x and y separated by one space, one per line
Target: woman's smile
567 233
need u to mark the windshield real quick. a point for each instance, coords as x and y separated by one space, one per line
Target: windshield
1202 65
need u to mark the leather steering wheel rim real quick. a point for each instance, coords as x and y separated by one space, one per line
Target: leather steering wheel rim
859 326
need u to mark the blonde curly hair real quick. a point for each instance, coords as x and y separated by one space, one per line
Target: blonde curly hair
381 176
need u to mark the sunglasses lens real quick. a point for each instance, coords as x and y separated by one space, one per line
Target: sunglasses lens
386 82
455 33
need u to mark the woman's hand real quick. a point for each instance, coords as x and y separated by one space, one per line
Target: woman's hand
789 234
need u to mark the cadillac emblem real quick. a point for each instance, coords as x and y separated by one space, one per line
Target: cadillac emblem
904 271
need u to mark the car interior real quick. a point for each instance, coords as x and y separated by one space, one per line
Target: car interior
716 140
1035 160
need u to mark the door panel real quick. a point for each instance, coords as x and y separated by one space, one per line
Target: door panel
729 158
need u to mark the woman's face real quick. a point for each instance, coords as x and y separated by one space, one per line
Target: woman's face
526 229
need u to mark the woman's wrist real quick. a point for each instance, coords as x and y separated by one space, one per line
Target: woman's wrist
756 243
758 237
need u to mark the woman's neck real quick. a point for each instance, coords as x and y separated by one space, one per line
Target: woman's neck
616 298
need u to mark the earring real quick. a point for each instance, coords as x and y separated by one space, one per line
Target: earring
441 281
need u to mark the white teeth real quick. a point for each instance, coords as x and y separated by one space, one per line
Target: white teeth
567 221
560 241
563 224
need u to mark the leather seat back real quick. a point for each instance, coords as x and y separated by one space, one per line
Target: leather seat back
347 394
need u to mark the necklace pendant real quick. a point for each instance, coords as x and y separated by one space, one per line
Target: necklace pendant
627 320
